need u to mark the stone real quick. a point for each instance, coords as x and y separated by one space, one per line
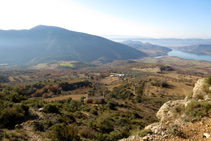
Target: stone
41 110
167 122
18 126
198 89
165 112
206 135
207 99
145 138
201 123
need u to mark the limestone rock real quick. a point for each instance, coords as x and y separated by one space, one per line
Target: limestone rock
198 89
206 135
164 113
145 138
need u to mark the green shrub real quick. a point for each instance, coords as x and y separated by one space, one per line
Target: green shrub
63 132
51 108
101 137
208 80
66 118
105 123
94 112
175 130
197 109
87 133
114 136
145 132
111 105
14 115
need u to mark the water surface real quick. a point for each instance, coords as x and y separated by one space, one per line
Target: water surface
187 55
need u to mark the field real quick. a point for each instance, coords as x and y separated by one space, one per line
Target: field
182 64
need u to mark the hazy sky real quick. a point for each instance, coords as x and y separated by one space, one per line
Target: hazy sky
146 18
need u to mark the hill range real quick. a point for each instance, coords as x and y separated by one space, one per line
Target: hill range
149 49
44 44
197 49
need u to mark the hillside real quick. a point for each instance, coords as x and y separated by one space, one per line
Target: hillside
149 49
197 49
43 44
187 119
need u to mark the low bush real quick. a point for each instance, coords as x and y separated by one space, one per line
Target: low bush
51 108
105 123
197 109
145 132
208 80
16 114
63 132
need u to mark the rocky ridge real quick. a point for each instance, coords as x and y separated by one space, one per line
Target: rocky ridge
173 121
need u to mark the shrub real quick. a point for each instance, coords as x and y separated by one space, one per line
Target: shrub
175 130
51 108
14 115
87 133
94 112
66 118
114 136
63 132
178 109
101 137
125 132
105 123
197 109
145 132
111 105
208 80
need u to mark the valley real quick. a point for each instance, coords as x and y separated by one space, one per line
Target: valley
129 103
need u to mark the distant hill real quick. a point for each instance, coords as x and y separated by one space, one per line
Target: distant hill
149 49
44 44
197 49
167 42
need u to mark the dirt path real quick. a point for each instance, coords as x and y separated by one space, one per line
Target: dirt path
32 135
28 127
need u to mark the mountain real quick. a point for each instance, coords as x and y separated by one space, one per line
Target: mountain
149 49
43 44
197 49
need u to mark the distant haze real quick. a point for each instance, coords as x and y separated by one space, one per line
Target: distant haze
168 42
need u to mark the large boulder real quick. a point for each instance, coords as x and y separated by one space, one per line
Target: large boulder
198 89
165 112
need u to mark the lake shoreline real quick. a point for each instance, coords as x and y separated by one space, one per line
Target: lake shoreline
186 55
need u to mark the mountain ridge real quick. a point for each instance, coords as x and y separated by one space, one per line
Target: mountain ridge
22 46
204 49
148 48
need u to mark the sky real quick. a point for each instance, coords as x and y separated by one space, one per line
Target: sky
133 18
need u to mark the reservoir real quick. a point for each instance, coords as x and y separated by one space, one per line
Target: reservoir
187 55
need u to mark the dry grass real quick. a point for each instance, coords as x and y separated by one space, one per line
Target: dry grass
109 80
151 70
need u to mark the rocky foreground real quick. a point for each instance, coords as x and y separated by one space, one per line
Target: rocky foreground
188 119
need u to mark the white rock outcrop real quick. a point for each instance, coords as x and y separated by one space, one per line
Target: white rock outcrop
165 111
198 89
